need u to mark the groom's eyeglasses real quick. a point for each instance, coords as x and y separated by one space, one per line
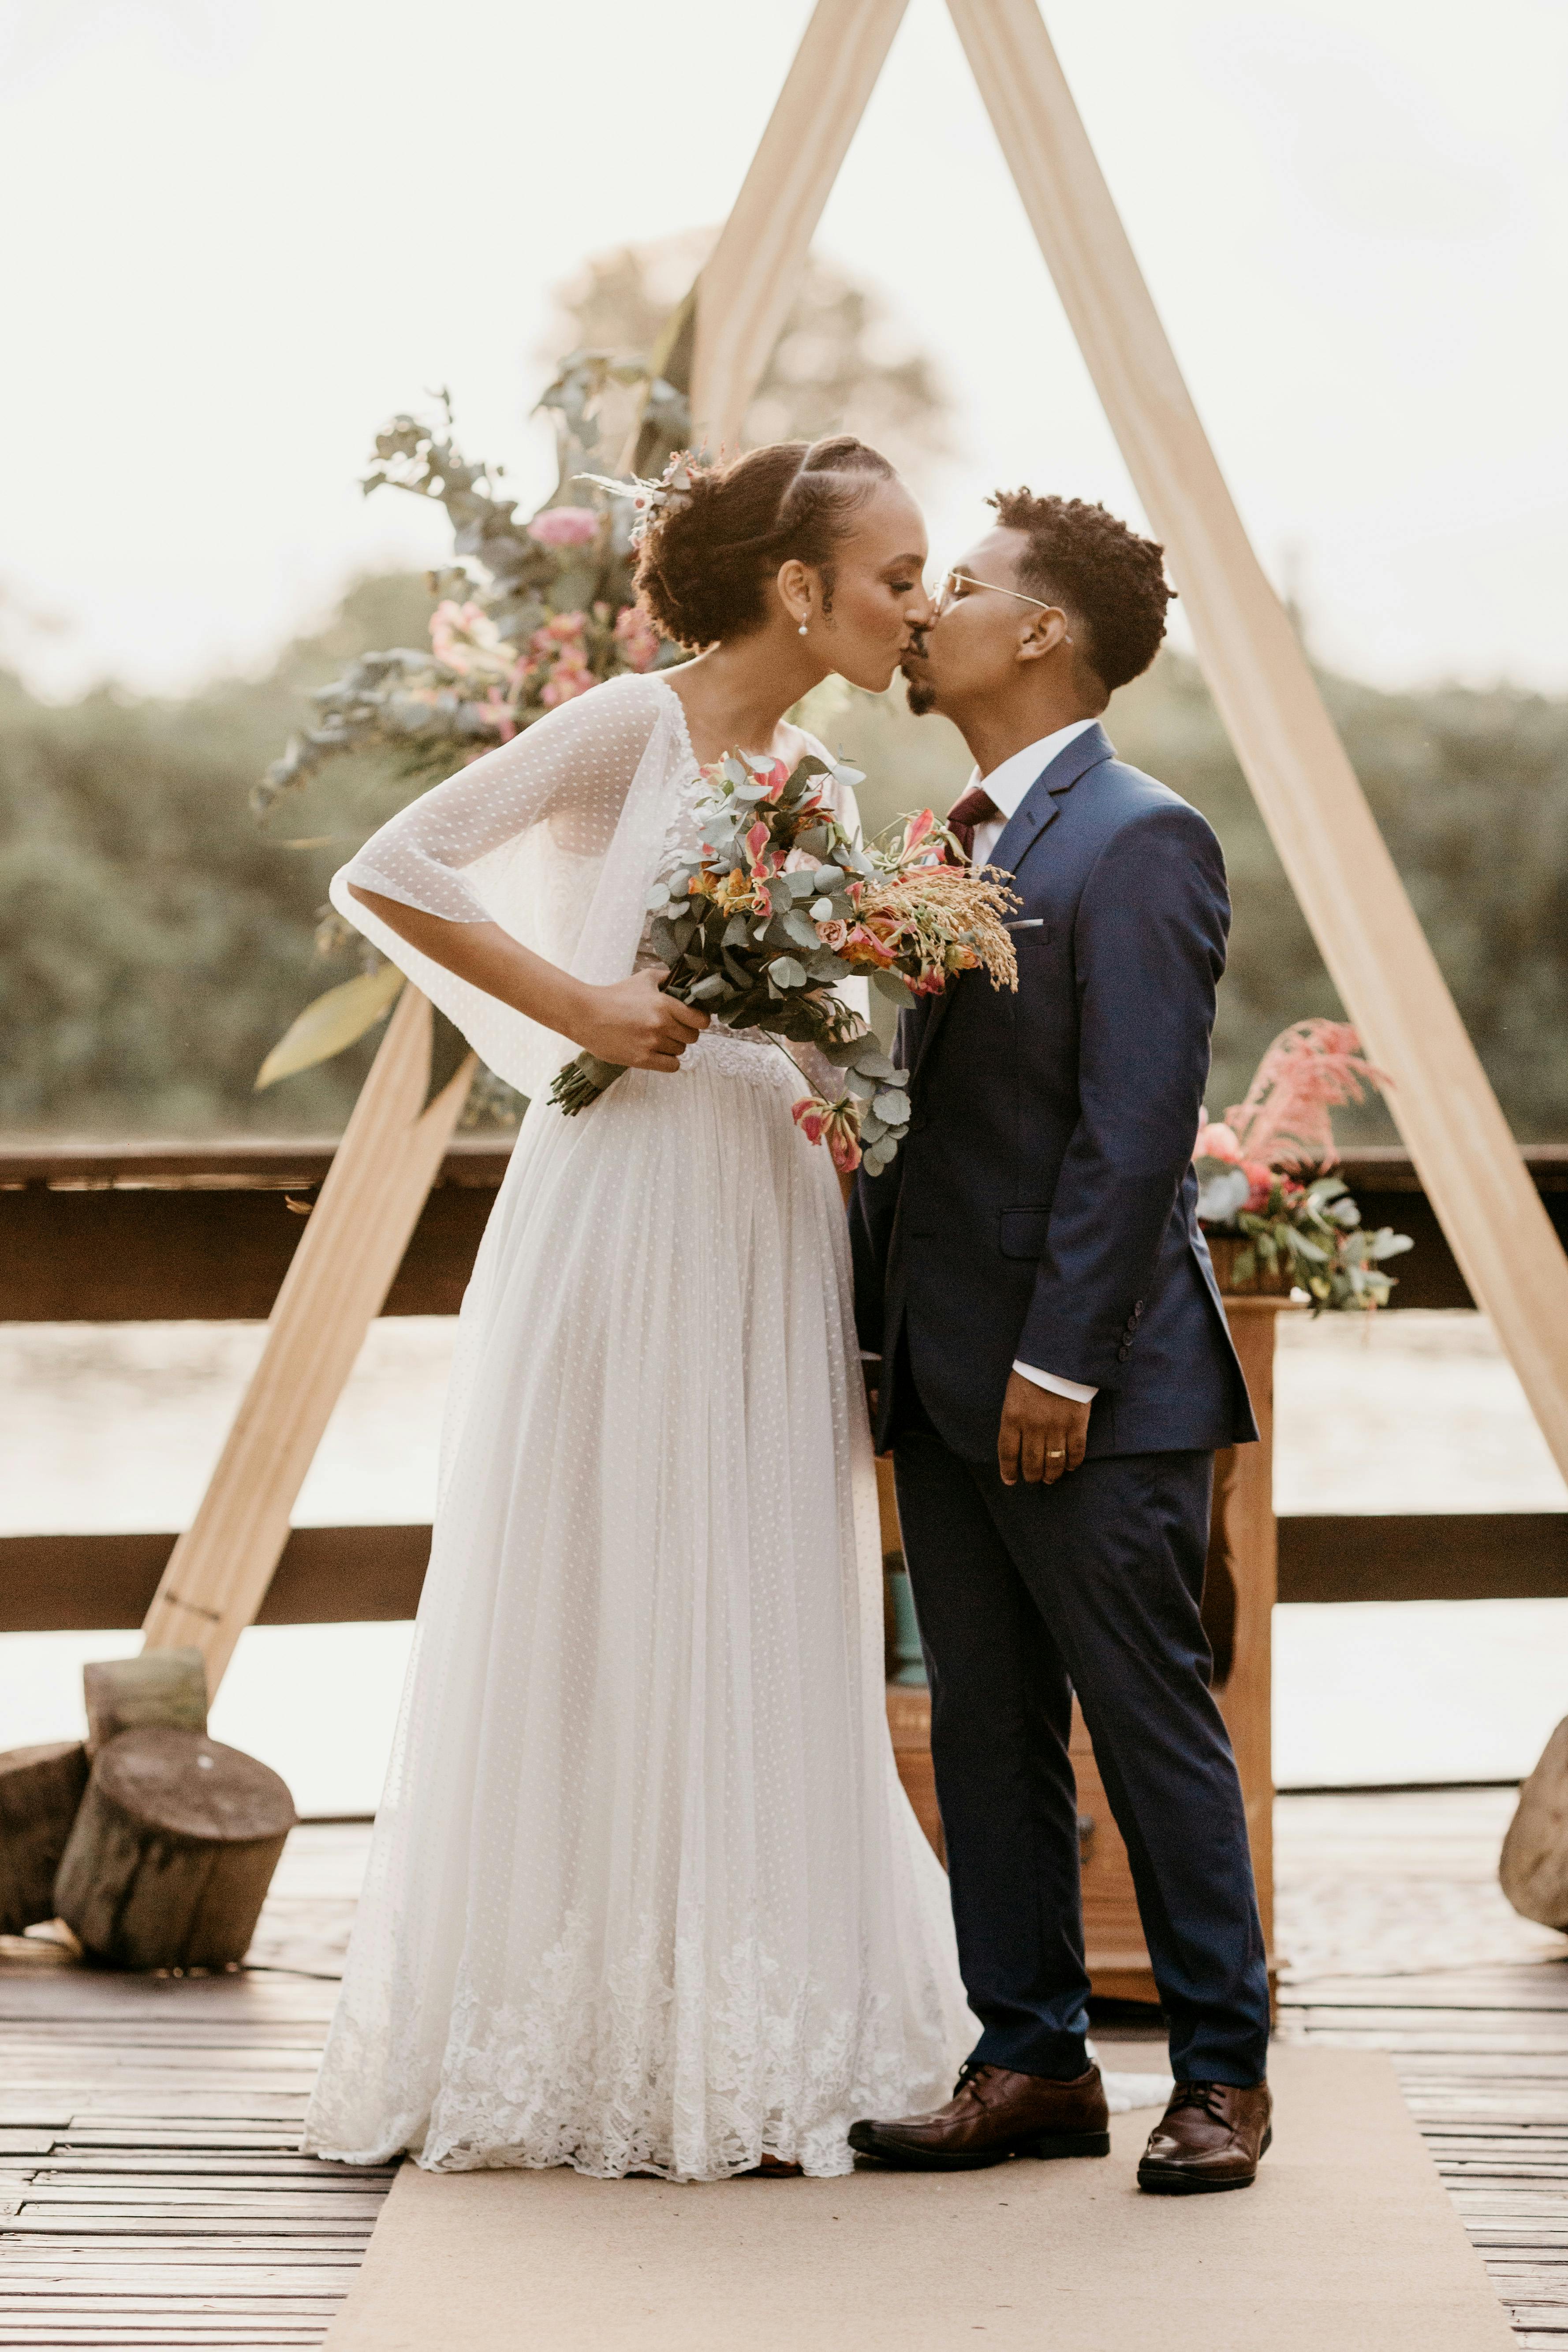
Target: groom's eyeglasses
947 594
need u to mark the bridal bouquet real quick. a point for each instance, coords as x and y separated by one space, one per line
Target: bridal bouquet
778 903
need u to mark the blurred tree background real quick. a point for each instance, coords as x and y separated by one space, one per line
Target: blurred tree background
153 943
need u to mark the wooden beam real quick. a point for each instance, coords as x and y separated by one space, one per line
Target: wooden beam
335 1576
749 281
1428 1556
326 1576
1328 841
119 1233
220 1568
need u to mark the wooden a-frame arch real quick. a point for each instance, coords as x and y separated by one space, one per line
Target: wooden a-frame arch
1317 814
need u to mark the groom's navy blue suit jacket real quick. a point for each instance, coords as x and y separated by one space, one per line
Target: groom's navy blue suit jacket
1043 1206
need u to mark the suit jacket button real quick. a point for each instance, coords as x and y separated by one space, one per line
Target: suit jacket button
1124 1352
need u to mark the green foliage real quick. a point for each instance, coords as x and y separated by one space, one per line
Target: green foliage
153 944
1312 1235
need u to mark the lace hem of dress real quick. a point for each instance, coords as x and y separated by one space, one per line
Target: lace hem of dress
690 2072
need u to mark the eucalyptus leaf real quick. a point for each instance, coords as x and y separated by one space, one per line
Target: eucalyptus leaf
786 973
892 1106
893 984
706 989
331 1022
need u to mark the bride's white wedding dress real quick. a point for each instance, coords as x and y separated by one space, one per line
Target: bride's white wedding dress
645 1894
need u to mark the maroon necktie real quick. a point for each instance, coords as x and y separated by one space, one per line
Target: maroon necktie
972 808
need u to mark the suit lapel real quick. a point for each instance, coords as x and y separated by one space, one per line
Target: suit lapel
1040 804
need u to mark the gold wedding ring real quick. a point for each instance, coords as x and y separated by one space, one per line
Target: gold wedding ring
1055 1452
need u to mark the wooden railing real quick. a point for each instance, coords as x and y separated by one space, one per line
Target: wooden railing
132 1233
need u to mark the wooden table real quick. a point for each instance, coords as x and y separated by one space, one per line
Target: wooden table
1238 1600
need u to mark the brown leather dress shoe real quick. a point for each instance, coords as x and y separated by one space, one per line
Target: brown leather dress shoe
993 2115
1211 2136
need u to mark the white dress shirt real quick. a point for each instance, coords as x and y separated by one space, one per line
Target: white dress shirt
1007 786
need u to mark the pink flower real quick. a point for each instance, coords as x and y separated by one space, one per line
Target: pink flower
1217 1141
1262 1180
756 844
636 637
557 630
464 638
497 713
1309 1069
564 527
834 1123
571 679
917 829
833 934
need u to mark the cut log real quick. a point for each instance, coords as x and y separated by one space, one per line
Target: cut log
40 1789
159 1686
1534 1866
172 1851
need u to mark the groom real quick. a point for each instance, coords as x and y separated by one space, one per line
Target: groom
1055 1373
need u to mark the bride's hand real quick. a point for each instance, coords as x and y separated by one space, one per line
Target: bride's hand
632 1021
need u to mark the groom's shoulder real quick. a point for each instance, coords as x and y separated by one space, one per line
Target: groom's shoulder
1131 797
1150 840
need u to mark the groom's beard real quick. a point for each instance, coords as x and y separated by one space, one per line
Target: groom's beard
921 695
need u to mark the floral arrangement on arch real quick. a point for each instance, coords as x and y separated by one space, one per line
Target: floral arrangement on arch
1264 1185
537 609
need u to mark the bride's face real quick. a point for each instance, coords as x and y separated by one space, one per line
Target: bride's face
865 609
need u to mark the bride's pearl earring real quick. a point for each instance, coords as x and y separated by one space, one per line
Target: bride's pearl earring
801 631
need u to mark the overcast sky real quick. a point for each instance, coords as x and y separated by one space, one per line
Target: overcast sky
243 232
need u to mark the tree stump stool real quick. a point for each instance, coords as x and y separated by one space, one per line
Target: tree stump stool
40 1789
172 1851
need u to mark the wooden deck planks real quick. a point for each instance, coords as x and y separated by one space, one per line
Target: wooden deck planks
1476 2021
151 2190
153 2195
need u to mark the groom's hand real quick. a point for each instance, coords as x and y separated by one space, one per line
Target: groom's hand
1041 1433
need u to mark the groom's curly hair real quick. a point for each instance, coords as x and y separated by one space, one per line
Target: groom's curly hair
1111 581
704 565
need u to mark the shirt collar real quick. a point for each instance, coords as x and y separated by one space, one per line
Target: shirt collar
1007 785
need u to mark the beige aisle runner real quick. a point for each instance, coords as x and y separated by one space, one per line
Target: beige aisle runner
1347 2243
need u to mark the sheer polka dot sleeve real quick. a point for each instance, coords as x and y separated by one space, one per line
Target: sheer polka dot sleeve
572 768
544 836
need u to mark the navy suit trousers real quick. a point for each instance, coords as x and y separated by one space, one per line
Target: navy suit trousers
1026 1594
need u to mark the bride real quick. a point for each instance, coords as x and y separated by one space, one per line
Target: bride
646 1895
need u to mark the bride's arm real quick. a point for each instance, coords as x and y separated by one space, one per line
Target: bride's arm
629 1022
416 876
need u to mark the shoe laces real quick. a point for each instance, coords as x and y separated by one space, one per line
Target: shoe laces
1205 2097
969 2079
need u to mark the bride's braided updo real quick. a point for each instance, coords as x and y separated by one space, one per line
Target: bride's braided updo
704 563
